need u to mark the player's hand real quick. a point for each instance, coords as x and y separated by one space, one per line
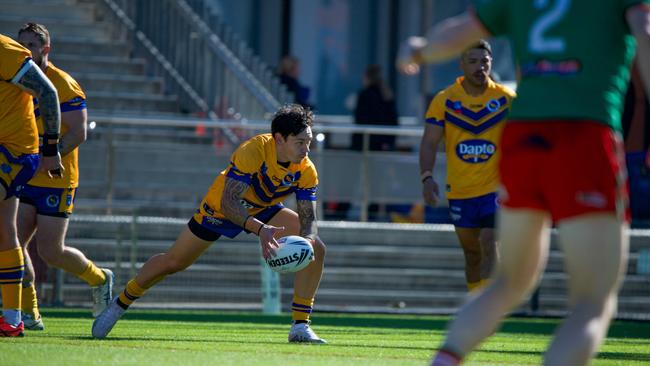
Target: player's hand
430 192
406 63
267 240
52 166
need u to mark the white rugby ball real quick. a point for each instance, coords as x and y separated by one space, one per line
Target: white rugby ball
294 254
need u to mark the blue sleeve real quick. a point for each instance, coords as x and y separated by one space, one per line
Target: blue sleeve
306 194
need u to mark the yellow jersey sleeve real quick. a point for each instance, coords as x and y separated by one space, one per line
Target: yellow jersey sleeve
308 183
436 112
71 97
18 132
12 58
246 161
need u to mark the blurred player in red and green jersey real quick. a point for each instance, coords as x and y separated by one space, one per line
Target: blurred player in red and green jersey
20 79
46 204
562 158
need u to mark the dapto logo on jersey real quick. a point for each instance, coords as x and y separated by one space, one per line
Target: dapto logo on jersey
475 151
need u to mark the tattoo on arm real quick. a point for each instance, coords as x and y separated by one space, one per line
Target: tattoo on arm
37 83
307 217
231 201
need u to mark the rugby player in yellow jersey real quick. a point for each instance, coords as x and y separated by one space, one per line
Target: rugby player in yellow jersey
469 116
46 204
247 196
19 159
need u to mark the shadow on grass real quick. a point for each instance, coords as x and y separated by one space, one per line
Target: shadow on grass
175 341
513 325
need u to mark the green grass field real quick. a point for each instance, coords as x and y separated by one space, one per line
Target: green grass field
188 338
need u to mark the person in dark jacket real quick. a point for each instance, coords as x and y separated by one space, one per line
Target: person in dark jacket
375 106
288 72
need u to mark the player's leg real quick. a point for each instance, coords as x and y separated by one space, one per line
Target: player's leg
50 240
489 253
589 242
306 282
11 267
26 225
589 206
16 172
469 241
488 208
187 248
524 241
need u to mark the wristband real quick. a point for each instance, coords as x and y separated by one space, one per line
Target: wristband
425 174
50 144
427 177
260 229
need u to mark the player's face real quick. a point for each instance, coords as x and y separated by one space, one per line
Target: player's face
295 147
30 41
477 65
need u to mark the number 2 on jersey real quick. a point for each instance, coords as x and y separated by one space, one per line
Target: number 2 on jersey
553 13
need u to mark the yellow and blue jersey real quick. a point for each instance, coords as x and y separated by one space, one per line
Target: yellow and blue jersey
71 98
472 129
255 163
18 131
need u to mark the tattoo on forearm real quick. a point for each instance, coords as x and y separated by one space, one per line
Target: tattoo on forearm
48 100
307 217
231 201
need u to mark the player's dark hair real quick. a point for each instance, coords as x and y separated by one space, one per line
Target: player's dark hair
38 29
291 119
481 44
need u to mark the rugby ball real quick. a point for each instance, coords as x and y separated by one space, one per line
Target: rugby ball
294 254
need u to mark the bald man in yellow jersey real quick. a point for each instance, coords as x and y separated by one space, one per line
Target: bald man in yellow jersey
469 116
247 196
19 159
46 204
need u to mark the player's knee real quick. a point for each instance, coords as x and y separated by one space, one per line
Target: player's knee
319 249
173 265
599 307
49 254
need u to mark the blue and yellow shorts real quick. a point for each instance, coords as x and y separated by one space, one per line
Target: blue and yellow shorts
56 202
16 171
210 228
476 212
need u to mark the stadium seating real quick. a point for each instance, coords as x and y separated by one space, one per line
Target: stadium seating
92 50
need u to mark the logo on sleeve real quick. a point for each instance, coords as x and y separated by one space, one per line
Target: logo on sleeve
475 151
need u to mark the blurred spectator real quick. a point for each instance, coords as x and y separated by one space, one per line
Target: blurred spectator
375 106
288 72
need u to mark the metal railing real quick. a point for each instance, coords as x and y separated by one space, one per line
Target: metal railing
211 69
154 157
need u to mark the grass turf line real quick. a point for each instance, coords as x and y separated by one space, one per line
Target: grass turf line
188 338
